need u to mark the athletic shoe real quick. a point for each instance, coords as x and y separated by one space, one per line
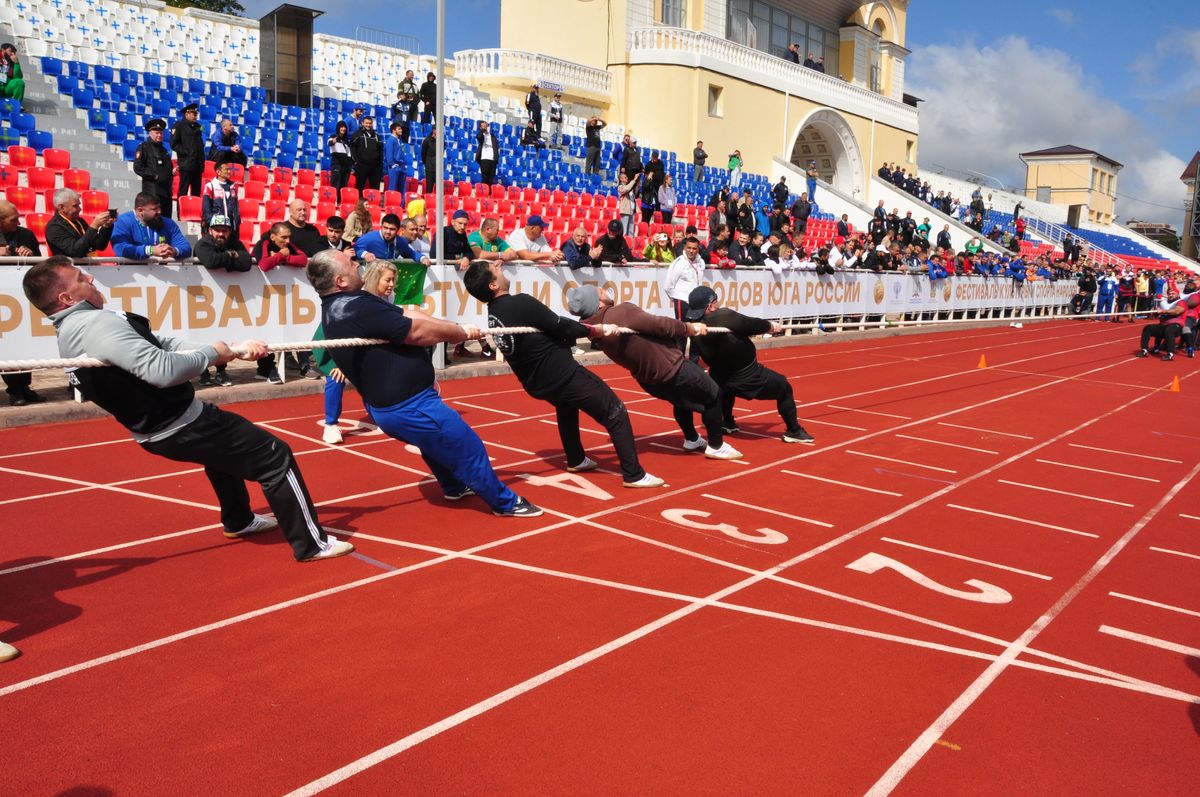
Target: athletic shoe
488 353
1168 356
221 378
798 435
699 444
308 372
1141 353
272 378
522 508
1191 353
334 549
205 379
461 350
726 451
33 397
587 464
731 429
260 524
332 434
7 652
646 481
467 492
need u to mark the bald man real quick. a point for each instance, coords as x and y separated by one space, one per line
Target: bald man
305 237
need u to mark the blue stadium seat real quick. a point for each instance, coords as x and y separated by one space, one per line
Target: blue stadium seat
9 138
129 149
83 98
97 119
116 134
23 122
51 67
104 74
40 140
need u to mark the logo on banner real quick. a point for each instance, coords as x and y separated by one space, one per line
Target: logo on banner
880 293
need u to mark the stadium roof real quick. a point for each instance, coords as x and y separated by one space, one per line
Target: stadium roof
1189 174
1069 149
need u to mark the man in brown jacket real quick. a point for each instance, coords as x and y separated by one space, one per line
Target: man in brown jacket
658 365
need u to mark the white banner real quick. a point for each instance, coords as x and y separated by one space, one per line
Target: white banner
199 305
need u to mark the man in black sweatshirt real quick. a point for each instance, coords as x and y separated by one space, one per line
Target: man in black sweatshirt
733 362
543 363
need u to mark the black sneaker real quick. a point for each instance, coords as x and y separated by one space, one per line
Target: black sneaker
1141 353
206 379
33 397
17 400
272 378
467 492
221 378
798 435
731 429
1168 356
522 508
488 353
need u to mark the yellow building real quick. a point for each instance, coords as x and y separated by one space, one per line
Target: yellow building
1071 175
674 72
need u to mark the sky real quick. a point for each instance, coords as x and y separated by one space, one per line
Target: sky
996 79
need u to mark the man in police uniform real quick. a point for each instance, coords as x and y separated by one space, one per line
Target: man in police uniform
187 142
153 164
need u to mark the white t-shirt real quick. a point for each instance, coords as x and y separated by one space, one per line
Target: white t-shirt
518 240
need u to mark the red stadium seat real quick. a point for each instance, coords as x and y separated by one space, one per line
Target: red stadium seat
247 232
258 172
276 210
210 171
463 189
57 159
482 190
376 214
304 193
77 179
283 175
497 192
372 196
327 193
250 209
23 197
345 209
238 173
8 175
349 195
325 210
393 199
279 192
254 190
306 177
21 158
36 224
189 208
94 202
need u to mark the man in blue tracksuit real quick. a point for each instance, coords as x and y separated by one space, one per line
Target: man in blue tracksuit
1106 294
396 381
144 232
936 271
393 158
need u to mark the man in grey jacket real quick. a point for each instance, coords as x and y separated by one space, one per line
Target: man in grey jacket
148 389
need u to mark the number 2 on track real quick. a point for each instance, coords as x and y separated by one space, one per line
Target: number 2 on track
983 593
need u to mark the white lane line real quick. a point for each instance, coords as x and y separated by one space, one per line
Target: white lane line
967 558
1189 517
1023 520
1126 453
581 428
985 431
109 549
869 412
487 409
898 461
492 444
106 487
1064 492
831 423
761 508
1175 553
1163 644
1155 604
944 443
841 484
66 448
668 447
1098 470
351 451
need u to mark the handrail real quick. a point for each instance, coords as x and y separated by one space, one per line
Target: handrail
499 62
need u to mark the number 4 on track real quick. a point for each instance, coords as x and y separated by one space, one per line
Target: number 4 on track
983 593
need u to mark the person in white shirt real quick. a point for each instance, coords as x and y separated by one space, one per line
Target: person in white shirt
556 122
418 236
780 258
530 243
686 273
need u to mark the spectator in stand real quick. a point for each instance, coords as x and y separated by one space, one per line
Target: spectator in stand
409 93
305 237
219 249
386 243
487 153
648 200
276 249
1142 283
1020 225
486 243
591 138
801 210
743 252
456 246
341 162
556 122
531 244
17 241
144 232
719 257
699 158
667 199
809 62
654 171
429 92
943 238
611 247
820 64
631 158
533 104
367 149
335 226
187 142
429 148
686 273
627 191
746 218
780 194
12 79
393 158
68 234
354 119
735 169
811 176
416 230
153 164
717 219
531 138
843 226
220 199
226 145
575 250
1126 296
358 223
793 53
399 116
658 250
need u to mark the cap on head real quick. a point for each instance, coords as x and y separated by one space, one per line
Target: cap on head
219 221
583 301
536 221
615 226
698 301
192 108
460 214
155 124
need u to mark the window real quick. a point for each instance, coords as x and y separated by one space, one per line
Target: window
762 26
671 12
714 101
910 151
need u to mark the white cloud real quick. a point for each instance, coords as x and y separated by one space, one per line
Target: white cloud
984 105
1063 15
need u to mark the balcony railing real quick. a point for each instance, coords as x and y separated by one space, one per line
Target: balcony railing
659 45
552 73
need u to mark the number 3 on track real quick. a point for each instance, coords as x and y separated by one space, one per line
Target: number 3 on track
985 592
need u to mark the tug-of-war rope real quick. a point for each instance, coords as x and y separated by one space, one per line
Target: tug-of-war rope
13 366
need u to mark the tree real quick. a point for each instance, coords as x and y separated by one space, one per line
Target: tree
232 7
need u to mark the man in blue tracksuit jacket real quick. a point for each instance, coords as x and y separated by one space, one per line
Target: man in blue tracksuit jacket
393 158
1106 294
144 232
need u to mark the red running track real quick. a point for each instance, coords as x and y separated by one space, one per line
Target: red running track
978 581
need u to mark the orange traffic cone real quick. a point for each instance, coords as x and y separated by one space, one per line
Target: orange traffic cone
982 361
1174 388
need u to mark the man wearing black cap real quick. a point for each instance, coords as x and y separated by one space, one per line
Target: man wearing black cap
612 246
187 142
543 363
152 163
220 248
733 362
456 245
658 364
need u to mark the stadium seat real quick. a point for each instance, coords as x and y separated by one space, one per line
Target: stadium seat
251 209
276 210
77 179
39 178
327 194
94 202
254 190
258 173
190 208
9 137
57 159
36 224
21 158
116 135
23 197
248 232
349 196
304 193
306 177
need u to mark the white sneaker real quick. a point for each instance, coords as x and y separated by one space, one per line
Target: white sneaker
695 445
335 549
260 524
332 434
726 451
587 464
7 652
646 481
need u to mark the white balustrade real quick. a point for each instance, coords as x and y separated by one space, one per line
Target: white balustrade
554 73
